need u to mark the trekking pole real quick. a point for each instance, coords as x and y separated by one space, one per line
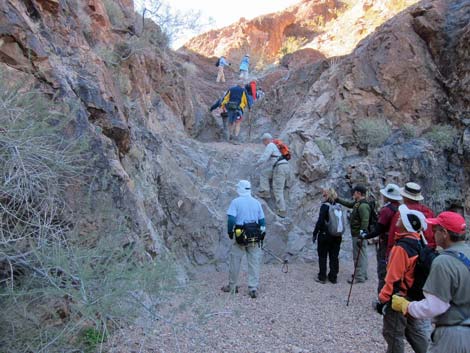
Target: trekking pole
355 269
285 263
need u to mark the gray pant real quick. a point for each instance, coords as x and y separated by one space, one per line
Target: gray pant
398 327
450 339
254 254
361 271
280 176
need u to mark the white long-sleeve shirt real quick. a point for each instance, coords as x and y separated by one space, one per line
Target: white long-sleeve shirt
431 306
271 154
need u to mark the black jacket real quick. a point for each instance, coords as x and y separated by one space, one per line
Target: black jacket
323 217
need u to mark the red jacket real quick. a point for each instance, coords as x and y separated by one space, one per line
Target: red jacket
428 234
400 268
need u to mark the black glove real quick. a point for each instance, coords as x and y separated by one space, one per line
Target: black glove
314 238
230 235
381 307
262 235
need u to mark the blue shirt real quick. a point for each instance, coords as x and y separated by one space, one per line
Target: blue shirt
223 62
245 209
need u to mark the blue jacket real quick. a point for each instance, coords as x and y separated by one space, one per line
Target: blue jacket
238 95
245 64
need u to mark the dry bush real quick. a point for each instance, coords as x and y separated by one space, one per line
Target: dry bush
442 136
61 290
372 132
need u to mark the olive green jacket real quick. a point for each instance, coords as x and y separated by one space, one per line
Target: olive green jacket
359 216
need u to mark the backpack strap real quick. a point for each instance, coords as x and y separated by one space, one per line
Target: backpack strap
392 207
466 261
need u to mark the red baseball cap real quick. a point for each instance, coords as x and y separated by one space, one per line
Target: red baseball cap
449 220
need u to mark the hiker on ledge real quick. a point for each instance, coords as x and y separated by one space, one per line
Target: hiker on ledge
221 63
275 167
234 103
244 67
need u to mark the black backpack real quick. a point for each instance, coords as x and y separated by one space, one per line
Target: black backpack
217 63
426 256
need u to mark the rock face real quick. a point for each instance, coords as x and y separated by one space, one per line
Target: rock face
328 27
159 168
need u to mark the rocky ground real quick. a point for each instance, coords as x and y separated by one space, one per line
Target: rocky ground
292 314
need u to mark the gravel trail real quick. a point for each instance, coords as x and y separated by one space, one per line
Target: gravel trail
292 314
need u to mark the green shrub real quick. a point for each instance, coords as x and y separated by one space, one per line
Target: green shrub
292 44
442 136
325 146
410 131
372 132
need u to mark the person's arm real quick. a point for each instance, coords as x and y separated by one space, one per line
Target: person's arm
216 104
395 272
431 306
378 230
346 203
226 99
266 155
364 214
321 220
231 222
244 100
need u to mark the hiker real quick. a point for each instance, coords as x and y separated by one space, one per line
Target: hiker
399 278
221 63
223 114
328 230
411 194
244 66
275 167
234 102
245 222
359 222
447 288
252 92
391 197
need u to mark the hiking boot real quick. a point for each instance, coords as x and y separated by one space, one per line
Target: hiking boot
227 289
282 214
333 280
252 293
318 280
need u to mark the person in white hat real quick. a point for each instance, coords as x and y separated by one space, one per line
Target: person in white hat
399 278
412 197
391 198
276 168
245 223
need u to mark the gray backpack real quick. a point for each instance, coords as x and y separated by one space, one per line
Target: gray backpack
335 224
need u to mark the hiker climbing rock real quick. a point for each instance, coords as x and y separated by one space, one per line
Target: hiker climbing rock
247 225
328 231
221 63
275 167
447 288
359 224
252 92
391 197
244 67
400 277
412 197
234 103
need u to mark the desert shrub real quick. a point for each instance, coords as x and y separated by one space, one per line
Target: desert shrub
291 44
372 132
115 14
442 136
325 146
55 282
410 130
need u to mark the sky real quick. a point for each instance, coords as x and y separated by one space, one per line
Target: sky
225 13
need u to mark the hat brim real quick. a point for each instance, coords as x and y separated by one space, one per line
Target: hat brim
433 221
411 196
243 192
389 196
404 212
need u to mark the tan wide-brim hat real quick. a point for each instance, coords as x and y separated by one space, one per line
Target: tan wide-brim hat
412 191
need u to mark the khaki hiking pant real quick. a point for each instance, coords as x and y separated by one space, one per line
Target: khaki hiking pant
254 255
220 74
280 176
361 271
450 339
397 327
